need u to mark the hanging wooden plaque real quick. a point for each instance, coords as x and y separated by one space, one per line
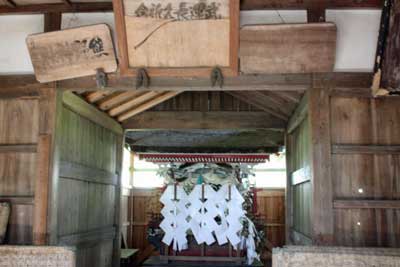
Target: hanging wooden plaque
177 37
72 53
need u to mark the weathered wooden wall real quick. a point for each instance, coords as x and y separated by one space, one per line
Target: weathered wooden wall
26 124
355 183
86 183
366 172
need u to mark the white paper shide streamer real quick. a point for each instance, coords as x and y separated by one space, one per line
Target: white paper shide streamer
198 211
203 211
175 215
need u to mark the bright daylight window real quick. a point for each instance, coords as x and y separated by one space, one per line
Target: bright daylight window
145 174
126 168
271 174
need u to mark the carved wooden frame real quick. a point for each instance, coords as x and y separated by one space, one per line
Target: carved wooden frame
126 70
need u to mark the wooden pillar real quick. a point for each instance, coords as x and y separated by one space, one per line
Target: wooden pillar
288 191
118 201
391 61
52 216
316 10
321 182
41 190
315 15
47 103
52 21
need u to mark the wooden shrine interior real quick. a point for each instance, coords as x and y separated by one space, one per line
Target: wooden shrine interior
61 145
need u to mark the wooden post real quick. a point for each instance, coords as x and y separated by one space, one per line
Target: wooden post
288 191
41 190
118 200
52 21
321 182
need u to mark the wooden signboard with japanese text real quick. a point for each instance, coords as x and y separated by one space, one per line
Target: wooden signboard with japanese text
288 48
177 37
72 53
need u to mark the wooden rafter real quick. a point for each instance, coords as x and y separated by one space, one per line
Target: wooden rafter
98 95
276 100
258 101
118 99
293 97
145 96
145 106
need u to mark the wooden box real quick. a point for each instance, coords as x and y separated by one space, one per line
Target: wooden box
177 38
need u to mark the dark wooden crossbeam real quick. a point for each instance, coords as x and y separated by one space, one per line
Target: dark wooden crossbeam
315 7
55 8
203 120
346 83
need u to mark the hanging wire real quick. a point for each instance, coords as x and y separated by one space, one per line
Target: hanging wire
279 14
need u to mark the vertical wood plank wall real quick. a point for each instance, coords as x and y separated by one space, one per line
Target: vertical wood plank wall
355 160
299 192
271 207
86 184
142 202
26 124
369 175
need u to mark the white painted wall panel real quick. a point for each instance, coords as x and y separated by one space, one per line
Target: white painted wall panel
272 17
14 56
357 38
72 20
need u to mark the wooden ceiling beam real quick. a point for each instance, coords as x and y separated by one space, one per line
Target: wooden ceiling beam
296 83
145 106
280 82
60 7
203 120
